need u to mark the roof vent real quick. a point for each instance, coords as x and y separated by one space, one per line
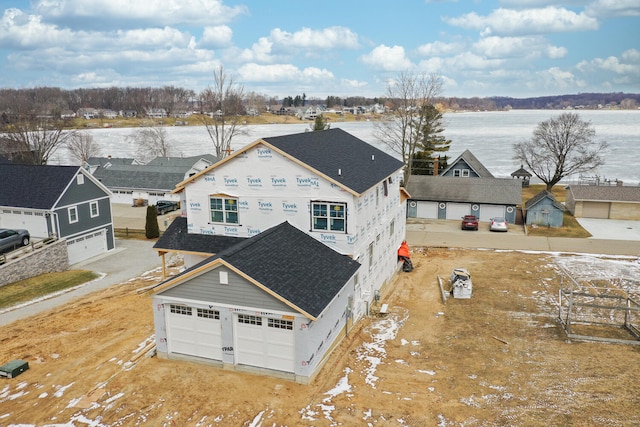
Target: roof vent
373 157
339 172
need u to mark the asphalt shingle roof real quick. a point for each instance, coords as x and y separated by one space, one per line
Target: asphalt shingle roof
177 238
33 186
605 193
339 156
292 264
473 162
501 191
138 177
541 196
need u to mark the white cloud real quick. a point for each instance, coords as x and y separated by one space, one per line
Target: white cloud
518 47
28 31
158 12
306 38
355 84
259 52
282 73
438 48
530 21
218 36
387 58
612 8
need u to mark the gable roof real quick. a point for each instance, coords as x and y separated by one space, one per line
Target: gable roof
102 161
34 186
503 191
605 193
287 263
544 194
138 177
338 156
521 172
177 238
182 162
471 161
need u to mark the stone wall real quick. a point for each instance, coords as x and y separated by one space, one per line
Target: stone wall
49 258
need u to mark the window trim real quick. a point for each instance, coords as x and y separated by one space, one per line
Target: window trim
97 206
224 209
328 206
73 211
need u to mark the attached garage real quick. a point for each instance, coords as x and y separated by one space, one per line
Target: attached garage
595 209
35 222
87 246
252 307
427 209
266 342
194 331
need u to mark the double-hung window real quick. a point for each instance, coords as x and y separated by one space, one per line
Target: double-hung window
223 209
329 216
73 214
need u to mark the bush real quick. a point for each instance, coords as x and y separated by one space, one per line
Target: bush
151 228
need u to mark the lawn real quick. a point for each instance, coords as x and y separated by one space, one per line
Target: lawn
45 284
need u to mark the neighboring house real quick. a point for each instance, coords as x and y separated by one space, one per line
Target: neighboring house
467 166
339 190
94 163
60 201
87 113
601 201
544 210
274 302
108 114
448 197
137 184
156 113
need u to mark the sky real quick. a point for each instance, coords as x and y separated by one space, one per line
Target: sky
279 48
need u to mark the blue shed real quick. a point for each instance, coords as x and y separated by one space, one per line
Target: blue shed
544 210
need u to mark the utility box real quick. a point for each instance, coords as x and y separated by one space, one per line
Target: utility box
14 368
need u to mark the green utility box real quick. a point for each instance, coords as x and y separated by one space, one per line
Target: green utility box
14 368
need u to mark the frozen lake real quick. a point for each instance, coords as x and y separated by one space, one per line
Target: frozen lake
488 135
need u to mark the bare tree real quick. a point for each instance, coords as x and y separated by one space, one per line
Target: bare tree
223 111
402 130
560 147
81 147
34 139
151 141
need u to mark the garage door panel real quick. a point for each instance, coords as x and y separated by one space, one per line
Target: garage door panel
491 211
427 210
458 210
87 246
265 343
595 210
189 333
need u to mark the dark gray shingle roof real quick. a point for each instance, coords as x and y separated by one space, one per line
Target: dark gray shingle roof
138 177
473 162
340 156
501 191
541 196
33 186
177 238
292 264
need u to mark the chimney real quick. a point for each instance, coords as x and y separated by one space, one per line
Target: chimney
436 165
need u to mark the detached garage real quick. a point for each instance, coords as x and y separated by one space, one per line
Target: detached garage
259 306
448 197
604 201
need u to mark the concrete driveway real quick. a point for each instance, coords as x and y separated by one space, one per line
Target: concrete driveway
611 228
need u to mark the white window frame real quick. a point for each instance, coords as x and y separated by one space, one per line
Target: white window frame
323 220
79 179
93 205
225 209
465 173
73 212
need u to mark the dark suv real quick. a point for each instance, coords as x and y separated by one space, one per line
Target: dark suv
164 206
11 239
470 222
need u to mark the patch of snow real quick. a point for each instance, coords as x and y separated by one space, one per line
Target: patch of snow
61 389
422 371
342 386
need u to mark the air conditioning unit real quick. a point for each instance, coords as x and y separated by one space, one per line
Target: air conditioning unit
14 368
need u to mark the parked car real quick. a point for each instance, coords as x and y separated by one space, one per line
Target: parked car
164 206
498 224
469 222
11 239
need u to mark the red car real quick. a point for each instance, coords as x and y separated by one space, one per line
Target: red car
470 222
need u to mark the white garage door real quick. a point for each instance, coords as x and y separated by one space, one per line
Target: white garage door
458 210
427 210
194 331
490 211
265 342
34 222
87 246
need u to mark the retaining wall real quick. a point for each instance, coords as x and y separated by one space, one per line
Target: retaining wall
33 261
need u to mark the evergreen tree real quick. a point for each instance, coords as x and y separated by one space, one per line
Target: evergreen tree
320 123
431 142
151 228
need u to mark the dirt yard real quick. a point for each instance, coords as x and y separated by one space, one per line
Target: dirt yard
497 359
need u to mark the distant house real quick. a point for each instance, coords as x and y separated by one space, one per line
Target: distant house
87 113
145 184
449 197
467 166
128 113
108 114
156 113
58 201
544 210
602 201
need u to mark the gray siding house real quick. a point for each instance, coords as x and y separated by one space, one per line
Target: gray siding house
273 303
448 197
467 166
544 210
58 201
